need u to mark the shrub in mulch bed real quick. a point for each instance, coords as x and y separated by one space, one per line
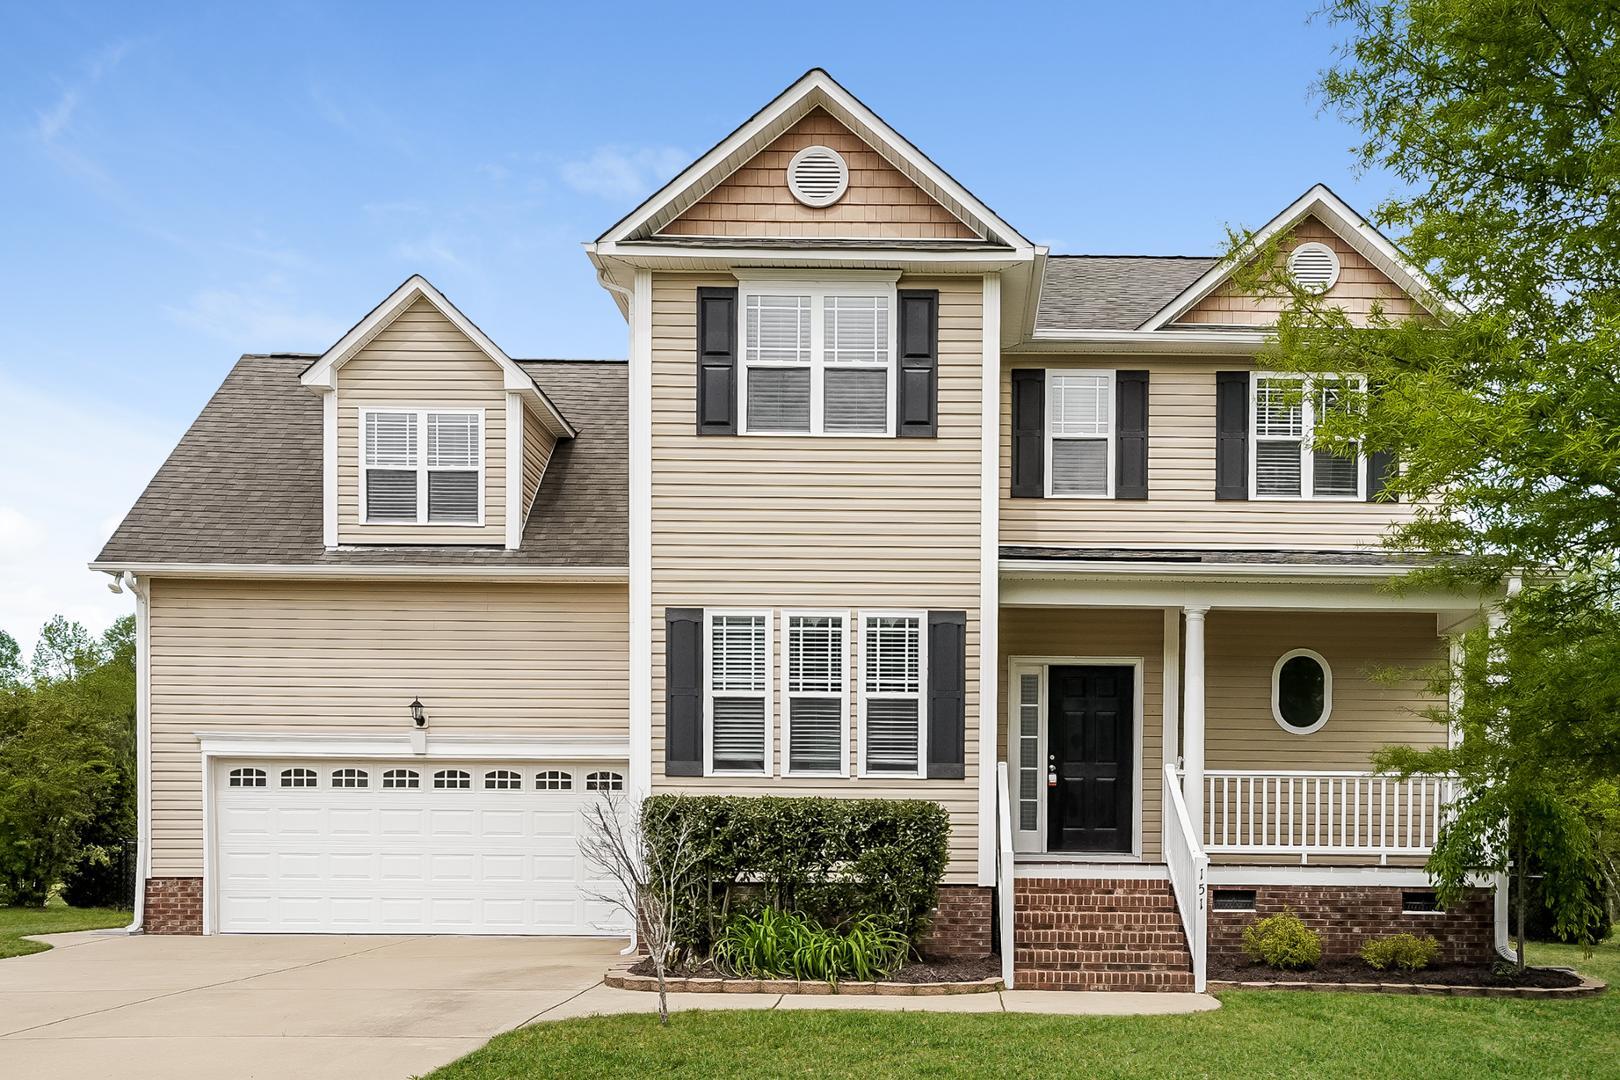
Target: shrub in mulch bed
930 971
1354 971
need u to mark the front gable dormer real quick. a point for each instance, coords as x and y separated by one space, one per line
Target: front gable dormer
1324 244
432 434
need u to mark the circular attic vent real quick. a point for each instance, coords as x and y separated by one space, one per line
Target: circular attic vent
1314 267
818 176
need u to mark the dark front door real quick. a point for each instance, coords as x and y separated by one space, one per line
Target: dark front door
1090 743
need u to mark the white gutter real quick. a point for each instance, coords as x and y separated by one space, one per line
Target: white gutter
1169 570
329 571
143 739
1206 342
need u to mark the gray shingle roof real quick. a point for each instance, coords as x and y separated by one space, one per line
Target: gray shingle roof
1112 292
244 484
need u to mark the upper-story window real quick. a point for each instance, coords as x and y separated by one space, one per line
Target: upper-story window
817 360
1080 434
1284 464
422 466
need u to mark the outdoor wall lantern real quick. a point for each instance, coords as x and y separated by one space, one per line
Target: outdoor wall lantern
418 714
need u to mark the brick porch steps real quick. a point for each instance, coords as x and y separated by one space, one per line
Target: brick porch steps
1105 934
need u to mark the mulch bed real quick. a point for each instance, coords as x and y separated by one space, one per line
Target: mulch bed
920 971
1355 971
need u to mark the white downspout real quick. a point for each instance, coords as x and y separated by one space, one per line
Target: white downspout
141 590
638 312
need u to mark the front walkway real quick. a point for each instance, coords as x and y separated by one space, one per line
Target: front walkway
102 1004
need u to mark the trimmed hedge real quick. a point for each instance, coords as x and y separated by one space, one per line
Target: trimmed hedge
831 860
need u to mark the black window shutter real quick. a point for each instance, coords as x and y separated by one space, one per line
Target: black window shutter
717 361
1231 434
917 401
1380 467
947 695
683 691
1131 434
1028 433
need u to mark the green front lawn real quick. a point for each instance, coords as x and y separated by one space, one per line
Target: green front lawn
55 918
1255 1034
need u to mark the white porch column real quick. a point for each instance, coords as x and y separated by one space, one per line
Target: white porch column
1170 733
1192 739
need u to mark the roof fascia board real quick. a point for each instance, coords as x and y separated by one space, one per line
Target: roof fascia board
816 87
322 374
1167 342
1351 227
339 571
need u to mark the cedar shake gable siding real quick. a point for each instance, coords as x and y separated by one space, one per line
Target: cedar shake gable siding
881 202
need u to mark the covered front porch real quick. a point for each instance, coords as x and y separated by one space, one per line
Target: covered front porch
1160 719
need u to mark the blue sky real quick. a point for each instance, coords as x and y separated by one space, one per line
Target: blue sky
187 183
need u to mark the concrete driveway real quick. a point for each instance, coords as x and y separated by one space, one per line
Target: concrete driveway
307 1007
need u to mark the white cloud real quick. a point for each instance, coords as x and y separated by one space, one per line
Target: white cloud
257 319
53 121
86 463
617 172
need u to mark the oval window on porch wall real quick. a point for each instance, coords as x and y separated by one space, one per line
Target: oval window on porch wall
1301 691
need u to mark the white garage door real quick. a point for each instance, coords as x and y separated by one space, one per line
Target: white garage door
369 847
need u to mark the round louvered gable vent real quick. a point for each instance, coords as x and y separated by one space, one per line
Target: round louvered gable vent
818 176
1314 267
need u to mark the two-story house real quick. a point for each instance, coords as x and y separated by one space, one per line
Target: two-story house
887 501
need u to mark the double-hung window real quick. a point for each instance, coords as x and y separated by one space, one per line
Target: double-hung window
738 692
1080 434
891 693
816 698
818 359
1285 464
422 466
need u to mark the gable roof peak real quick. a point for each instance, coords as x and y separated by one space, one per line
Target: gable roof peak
816 88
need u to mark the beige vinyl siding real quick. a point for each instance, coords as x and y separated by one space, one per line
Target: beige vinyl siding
784 522
881 201
1066 633
538 446
319 658
1360 288
421 360
1181 510
1380 664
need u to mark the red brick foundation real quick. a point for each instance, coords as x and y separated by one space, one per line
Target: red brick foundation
1347 915
961 923
173 906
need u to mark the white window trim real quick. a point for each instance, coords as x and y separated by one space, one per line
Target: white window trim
1307 465
1276 691
421 464
921 695
788 696
882 285
1110 379
766 695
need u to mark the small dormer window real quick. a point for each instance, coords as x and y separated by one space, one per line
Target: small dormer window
422 466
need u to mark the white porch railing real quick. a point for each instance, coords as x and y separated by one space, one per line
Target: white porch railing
1280 812
1189 872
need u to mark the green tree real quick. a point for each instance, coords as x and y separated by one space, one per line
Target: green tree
1501 119
67 761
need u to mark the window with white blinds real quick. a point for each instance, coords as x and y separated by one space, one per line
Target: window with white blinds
1080 433
891 698
737 691
422 466
1285 464
818 361
816 697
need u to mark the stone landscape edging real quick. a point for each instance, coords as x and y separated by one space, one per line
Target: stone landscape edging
620 977
1588 987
